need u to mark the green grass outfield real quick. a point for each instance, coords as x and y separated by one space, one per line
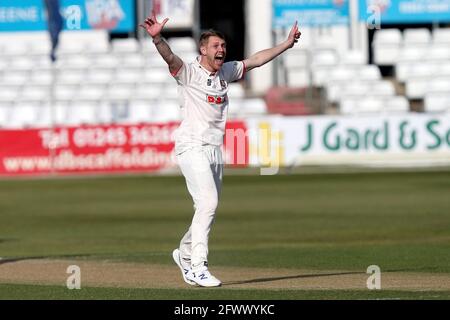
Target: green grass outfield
397 220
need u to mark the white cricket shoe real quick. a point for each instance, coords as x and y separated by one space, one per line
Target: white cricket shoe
203 277
184 268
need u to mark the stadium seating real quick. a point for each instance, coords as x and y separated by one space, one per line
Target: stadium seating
437 102
125 80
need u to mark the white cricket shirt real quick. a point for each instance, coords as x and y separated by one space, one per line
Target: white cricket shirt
204 103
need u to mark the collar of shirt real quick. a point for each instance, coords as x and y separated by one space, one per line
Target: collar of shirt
209 73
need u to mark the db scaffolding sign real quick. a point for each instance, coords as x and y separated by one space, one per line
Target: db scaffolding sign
100 149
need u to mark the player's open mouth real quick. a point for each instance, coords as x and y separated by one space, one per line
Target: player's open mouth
219 58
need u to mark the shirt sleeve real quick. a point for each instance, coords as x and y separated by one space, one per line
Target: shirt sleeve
233 70
183 75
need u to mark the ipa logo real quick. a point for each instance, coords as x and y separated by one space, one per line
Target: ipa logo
74 280
374 281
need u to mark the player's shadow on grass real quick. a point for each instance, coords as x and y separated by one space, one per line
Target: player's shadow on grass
300 276
317 275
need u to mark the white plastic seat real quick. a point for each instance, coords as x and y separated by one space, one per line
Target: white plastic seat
105 62
441 35
138 112
382 88
170 93
85 37
440 52
4 64
127 45
90 93
353 58
369 72
99 77
96 48
298 77
52 114
320 75
403 70
15 78
370 105
82 113
341 73
4 114
412 53
397 104
120 93
69 48
41 78
408 70
34 94
148 92
391 36
324 58
21 64
158 76
183 44
254 106
134 60
421 36
415 88
437 102
127 76
16 49
71 77
106 112
348 106
23 115
77 62
40 48
236 91
341 90
386 46
187 57
166 111
155 62
439 85
443 70
42 63
296 58
64 92
148 47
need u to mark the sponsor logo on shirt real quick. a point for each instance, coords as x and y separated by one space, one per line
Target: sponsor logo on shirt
215 99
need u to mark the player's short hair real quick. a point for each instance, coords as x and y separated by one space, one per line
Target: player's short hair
204 37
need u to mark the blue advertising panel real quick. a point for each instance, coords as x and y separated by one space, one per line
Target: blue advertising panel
310 12
406 11
30 15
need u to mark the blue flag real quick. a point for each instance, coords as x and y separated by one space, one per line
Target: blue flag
55 24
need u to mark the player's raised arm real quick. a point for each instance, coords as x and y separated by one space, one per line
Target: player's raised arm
262 57
154 29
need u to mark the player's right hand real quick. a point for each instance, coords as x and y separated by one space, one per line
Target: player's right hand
294 35
152 25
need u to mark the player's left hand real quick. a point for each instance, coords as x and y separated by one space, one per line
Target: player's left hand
294 35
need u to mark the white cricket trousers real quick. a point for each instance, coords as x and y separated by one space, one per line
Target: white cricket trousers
202 168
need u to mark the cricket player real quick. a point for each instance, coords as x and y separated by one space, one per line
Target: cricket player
202 91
